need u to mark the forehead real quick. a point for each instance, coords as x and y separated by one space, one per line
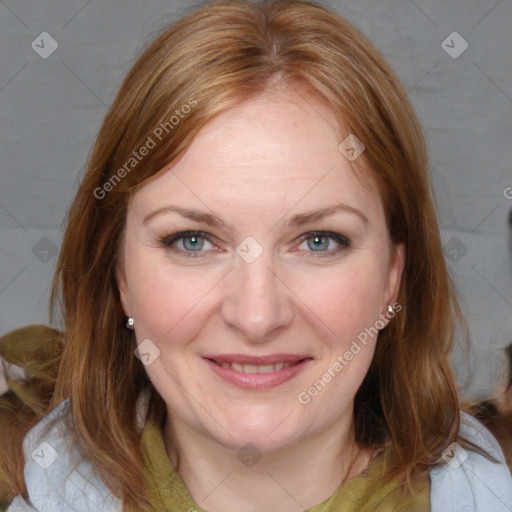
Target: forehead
271 150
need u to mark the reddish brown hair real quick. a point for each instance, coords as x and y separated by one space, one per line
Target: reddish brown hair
218 56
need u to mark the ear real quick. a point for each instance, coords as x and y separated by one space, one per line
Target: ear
395 270
122 285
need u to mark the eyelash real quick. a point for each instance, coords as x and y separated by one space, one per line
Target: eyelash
345 243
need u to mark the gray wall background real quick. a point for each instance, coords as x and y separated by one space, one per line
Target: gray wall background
51 109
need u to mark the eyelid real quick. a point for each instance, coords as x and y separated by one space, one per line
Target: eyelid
328 234
178 235
168 240
343 241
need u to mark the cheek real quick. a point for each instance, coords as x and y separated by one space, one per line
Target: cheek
165 300
346 299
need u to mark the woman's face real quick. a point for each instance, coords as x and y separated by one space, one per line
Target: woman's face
248 327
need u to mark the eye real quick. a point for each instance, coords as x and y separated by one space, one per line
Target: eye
319 241
192 242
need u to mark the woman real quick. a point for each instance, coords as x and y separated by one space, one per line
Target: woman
257 312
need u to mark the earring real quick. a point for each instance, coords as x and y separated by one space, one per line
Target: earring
130 323
390 309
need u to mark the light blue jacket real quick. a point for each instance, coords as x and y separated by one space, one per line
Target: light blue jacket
468 482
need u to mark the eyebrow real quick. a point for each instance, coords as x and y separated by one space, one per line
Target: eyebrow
296 221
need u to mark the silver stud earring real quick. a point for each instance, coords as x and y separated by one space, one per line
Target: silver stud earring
130 323
390 309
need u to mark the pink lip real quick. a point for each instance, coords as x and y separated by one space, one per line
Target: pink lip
258 381
246 359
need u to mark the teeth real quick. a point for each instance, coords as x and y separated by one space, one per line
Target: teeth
264 368
256 368
237 367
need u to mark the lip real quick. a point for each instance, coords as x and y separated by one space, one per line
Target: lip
247 359
258 381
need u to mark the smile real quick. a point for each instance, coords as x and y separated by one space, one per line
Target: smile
254 368
257 373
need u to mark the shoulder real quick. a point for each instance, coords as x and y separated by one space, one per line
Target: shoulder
56 475
468 481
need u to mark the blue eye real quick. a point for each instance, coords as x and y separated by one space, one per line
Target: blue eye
193 242
318 242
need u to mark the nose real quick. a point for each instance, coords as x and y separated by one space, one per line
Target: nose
257 301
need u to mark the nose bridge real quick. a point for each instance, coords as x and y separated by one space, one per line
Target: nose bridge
256 303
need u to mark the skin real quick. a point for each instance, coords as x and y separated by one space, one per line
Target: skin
255 167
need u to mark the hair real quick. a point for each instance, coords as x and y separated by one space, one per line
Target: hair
211 60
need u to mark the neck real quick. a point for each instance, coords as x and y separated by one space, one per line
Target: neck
298 476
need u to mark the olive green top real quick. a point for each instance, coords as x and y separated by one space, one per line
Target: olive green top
167 491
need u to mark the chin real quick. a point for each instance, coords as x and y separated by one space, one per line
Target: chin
267 431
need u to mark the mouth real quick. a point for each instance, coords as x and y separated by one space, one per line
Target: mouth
257 373
254 368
